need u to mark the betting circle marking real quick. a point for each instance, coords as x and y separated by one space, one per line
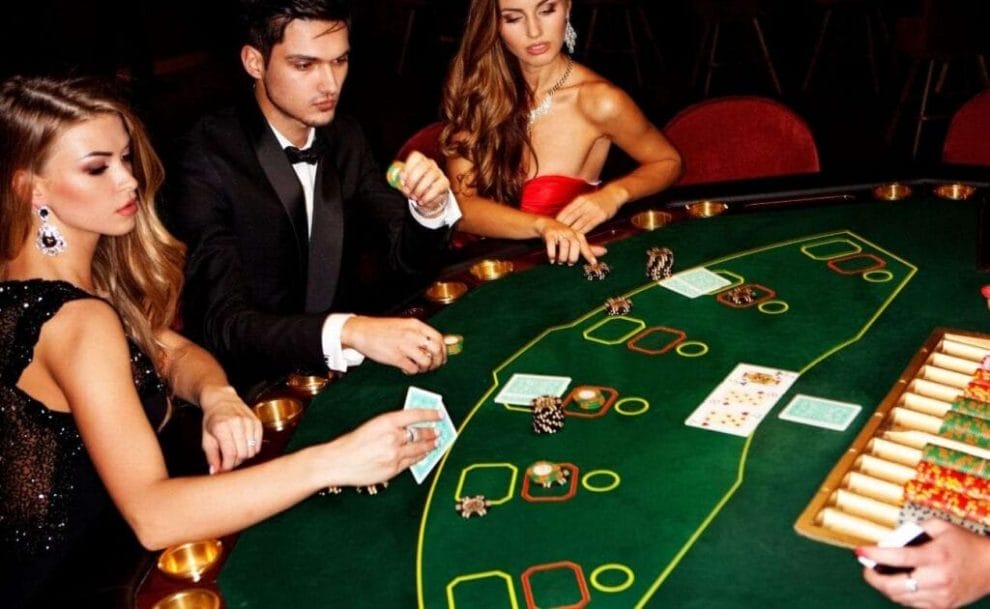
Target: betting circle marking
600 489
773 307
631 413
687 348
612 566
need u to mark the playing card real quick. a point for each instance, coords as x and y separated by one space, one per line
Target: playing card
695 282
522 388
743 398
446 432
820 412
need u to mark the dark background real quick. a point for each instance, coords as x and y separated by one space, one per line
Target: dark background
181 59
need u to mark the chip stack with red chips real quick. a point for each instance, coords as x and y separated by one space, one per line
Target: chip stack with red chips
596 271
548 414
618 305
659 263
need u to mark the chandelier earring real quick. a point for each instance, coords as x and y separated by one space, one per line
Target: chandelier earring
570 36
50 241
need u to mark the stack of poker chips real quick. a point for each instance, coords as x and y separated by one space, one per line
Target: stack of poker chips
619 305
596 271
548 414
741 295
659 263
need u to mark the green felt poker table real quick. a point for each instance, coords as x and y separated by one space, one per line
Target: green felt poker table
650 511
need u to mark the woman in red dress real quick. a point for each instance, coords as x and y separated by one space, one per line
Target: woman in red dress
527 131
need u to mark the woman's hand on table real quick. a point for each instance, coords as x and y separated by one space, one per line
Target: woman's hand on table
951 570
564 244
231 431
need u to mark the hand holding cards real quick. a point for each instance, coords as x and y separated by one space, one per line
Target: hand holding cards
446 433
908 534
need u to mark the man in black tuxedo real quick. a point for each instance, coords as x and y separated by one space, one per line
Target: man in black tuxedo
263 195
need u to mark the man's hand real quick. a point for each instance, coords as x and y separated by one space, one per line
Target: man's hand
406 343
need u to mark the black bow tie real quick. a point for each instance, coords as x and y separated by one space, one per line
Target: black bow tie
310 155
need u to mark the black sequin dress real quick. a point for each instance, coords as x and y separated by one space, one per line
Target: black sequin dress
50 495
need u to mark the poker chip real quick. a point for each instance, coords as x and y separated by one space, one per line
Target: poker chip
546 474
475 505
596 271
589 398
985 291
659 263
741 295
394 174
619 305
373 489
454 343
548 414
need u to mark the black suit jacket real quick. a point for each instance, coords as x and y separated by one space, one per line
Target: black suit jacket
236 202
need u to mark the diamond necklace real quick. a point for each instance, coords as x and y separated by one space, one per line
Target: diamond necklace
544 106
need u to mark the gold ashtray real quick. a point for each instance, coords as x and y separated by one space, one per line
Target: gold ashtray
445 292
487 270
706 209
310 384
276 414
190 560
194 598
955 192
652 219
895 191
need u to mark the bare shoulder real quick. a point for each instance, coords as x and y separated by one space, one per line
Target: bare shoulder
602 102
83 320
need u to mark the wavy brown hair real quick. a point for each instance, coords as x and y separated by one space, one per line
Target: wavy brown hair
484 107
141 272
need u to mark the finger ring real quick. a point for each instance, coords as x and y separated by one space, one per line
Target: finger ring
911 584
410 435
252 442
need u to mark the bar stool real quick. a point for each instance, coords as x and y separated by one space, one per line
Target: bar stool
848 11
946 31
628 9
718 13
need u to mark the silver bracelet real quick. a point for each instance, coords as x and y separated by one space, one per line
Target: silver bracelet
431 213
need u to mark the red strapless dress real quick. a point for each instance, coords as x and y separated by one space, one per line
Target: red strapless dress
547 195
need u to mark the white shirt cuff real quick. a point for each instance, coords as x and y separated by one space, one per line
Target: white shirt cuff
336 356
451 214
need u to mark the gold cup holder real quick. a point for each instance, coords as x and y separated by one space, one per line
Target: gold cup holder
954 192
309 384
707 209
895 191
276 414
652 219
445 292
490 269
194 598
190 560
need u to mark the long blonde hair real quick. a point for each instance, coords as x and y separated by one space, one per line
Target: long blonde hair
140 272
484 107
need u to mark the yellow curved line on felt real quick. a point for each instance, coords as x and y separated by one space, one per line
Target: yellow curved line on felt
887 275
611 566
701 528
596 310
685 353
512 484
484 574
883 307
